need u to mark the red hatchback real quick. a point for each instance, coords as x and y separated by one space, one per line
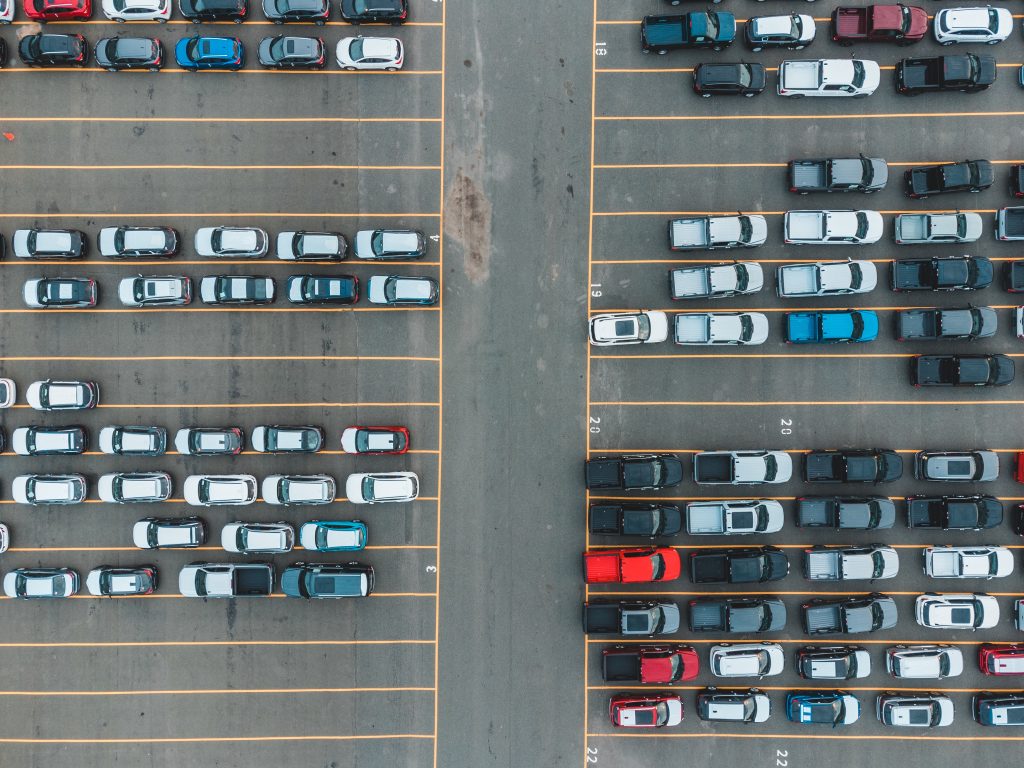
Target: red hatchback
650 711
1001 659
57 10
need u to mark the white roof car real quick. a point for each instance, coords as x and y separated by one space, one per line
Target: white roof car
389 244
980 562
402 289
36 441
370 53
972 25
828 77
746 659
8 393
209 490
332 535
44 243
929 662
137 10
137 242
751 706
832 227
41 582
52 395
795 27
644 327
149 291
376 488
142 441
956 611
232 242
5 538
298 489
168 532
106 581
257 537
320 246
135 488
48 489
925 710
714 328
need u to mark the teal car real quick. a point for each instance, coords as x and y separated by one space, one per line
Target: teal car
831 327
333 535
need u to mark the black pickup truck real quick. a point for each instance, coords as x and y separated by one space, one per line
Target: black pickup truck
961 370
963 72
742 616
965 176
933 323
638 472
632 618
954 513
853 174
853 466
942 273
648 520
849 513
851 615
747 565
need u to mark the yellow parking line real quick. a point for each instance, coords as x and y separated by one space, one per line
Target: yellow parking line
214 358
214 167
144 119
816 117
199 644
219 739
220 691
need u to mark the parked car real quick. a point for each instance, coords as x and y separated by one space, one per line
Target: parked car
236 289
961 370
301 11
923 662
135 487
849 615
831 708
137 10
333 535
632 618
750 706
155 291
292 490
898 23
729 79
108 581
708 233
399 290
369 11
742 467
375 440
278 439
954 513
923 710
839 326
957 466
209 441
634 472
49 441
934 324
322 289
645 710
257 538
133 441
852 174
825 278
117 53
956 611
697 29
647 520
327 580
231 242
966 176
31 583
856 513
48 490
311 246
49 50
828 77
941 273
289 52
389 244
970 562
380 487
56 10
60 292
169 533
793 32
972 25
210 490
1010 223
743 616
370 53
49 244
925 228
833 662
138 242
718 328
8 393
731 517
716 281
852 466
832 227
198 11
997 708
1001 659
649 664
850 562
746 565
206 53
966 73
643 327
746 660
50 395
226 580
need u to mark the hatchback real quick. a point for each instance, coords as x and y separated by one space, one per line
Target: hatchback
257 538
49 244
218 490
644 327
928 662
138 242
133 441
369 11
375 440
237 289
60 292
196 53
169 533
56 10
49 441
972 25
40 490
277 439
749 706
209 441
108 581
729 79
333 535
1001 659
8 393
117 53
831 708
746 660
370 53
384 244
232 242
369 488
311 246
283 52
398 290
135 487
957 466
998 708
294 490
793 32
839 662
322 289
50 395
927 710
31 583
327 580
137 10
198 11
46 50
304 11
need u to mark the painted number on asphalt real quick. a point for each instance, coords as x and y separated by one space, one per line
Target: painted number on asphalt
595 290
435 238
431 569
781 756
591 754
601 49
595 422
786 426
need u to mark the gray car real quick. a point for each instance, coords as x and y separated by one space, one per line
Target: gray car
232 242
311 246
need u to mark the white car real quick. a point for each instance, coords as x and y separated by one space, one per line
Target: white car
137 10
228 490
8 393
48 441
275 439
155 291
384 244
137 242
311 246
924 710
6 11
832 227
28 583
257 538
49 244
402 290
292 490
232 242
714 328
169 533
956 611
746 659
5 538
981 562
972 25
107 581
828 78
48 489
135 487
924 662
368 53
133 441
380 487
644 327
52 395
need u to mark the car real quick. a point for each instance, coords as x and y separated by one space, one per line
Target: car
49 489
322 289
857 513
399 290
155 291
138 242
972 25
715 281
137 10
966 176
209 441
292 490
108 581
972 562
370 11
849 615
929 662
835 227
838 174
720 328
257 538
956 611
749 706
925 228
237 289
169 533
311 246
56 10
50 395
327 580
5 538
8 393
198 11
653 710
49 244
822 707
998 708
288 52
135 487
49 441
60 292
896 23
793 32
957 466
117 53
833 662
1013 275
966 73
1001 659
389 244
375 440
278 439
302 11
852 466
855 78
961 370
1017 180
232 242
836 326
48 50
933 323
380 487
333 535
209 53
746 659
643 327
924 710
941 273
370 53
210 490
737 615
133 441
729 79
954 513
32 583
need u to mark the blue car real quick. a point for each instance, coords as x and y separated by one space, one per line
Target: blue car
195 53
333 535
832 327
828 707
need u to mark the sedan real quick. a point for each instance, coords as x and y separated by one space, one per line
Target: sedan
216 53
393 12
957 466
49 489
333 535
138 242
956 611
31 583
370 488
257 538
311 246
924 662
398 290
237 289
60 292
961 370
137 10
49 441
232 242
390 244
169 533
155 291
322 289
998 708
822 707
276 439
50 395
211 490
133 441
644 327
972 25
294 490
303 11
833 662
108 581
375 440
56 10
46 50
370 53
651 710
747 659
327 580
926 710
49 244
117 53
135 487
750 706
209 441
966 176
285 52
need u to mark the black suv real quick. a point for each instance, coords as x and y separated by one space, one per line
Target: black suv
358 11
309 11
214 10
728 79
46 50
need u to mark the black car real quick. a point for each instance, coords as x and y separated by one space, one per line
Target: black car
67 292
728 79
941 273
852 466
966 176
46 50
323 289
787 32
359 11
961 370
117 53
834 662
305 11
966 73
214 10
3 53
648 520
292 52
998 708
325 580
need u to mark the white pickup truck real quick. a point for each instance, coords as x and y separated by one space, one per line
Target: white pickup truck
716 281
711 232
828 77
707 328
982 562
734 517
870 562
832 227
921 228
826 278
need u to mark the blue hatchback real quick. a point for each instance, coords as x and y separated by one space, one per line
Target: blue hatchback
195 53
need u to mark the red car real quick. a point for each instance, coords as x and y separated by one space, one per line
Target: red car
657 664
631 565
1001 659
57 10
901 24
651 711
375 440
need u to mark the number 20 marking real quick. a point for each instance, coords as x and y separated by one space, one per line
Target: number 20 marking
594 421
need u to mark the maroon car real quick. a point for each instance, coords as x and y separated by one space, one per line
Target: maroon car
902 24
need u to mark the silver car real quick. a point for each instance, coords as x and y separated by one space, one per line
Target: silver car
924 662
381 487
155 291
746 659
384 244
135 487
28 583
211 490
926 710
133 441
311 246
399 290
232 242
254 538
277 439
293 490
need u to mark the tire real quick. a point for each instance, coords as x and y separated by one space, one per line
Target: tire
757 49
705 95
749 95
350 69
662 51
716 48
947 42
111 69
796 96
119 21
993 42
390 69
799 47
676 2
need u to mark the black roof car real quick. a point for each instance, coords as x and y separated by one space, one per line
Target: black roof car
961 370
852 466
214 10
964 72
856 513
1017 180
635 519
999 708
285 52
286 439
326 580
237 289
861 613
941 273
49 441
933 323
728 79
828 663
62 292
133 441
49 244
323 289
48 50
965 176
117 53
1013 276
359 11
954 513
309 11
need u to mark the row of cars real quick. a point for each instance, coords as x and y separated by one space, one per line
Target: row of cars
278 11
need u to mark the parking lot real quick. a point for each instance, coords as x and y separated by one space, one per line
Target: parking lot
659 152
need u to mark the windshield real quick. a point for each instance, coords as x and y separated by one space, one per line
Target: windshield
713 25
676 665
355 50
856 276
771 467
746 228
278 48
746 327
858 74
862 225
766 618
657 472
876 615
201 583
858 324
643 327
742 278
878 561
657 567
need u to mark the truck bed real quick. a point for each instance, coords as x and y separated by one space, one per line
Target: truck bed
1011 223
604 519
601 568
823 565
690 283
705 519
799 280
800 75
912 226
621 667
909 274
692 329
945 563
822 467
814 512
822 619
254 579
714 468
805 225
602 473
707 617
688 233
601 618
851 22
913 323
802 326
709 568
922 513
808 174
